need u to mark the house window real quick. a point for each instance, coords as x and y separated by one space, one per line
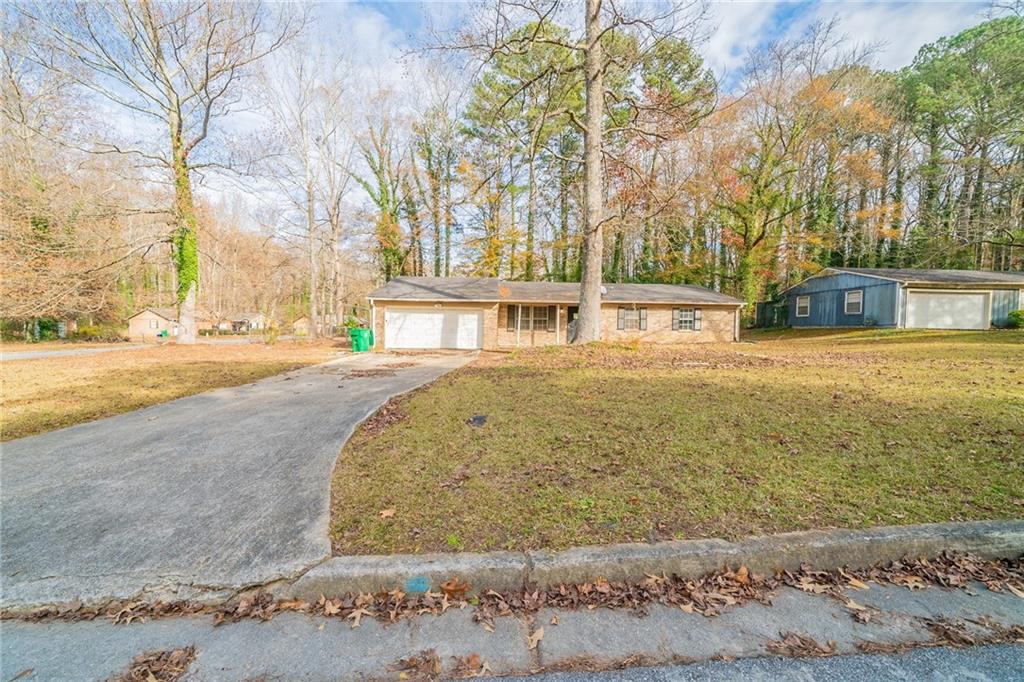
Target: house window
153 324
686 319
531 317
854 304
540 318
803 306
632 319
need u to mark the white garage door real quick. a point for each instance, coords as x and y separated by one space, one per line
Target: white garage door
947 310
433 329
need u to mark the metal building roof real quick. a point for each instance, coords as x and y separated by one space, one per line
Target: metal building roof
926 276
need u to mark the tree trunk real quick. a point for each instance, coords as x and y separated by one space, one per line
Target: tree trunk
531 213
588 326
449 220
186 255
435 212
314 265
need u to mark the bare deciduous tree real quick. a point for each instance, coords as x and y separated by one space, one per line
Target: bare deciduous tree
178 66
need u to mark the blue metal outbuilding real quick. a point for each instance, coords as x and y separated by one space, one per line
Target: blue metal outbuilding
913 298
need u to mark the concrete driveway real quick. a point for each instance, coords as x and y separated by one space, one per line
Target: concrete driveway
215 491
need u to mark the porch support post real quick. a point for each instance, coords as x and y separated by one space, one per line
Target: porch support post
519 322
558 314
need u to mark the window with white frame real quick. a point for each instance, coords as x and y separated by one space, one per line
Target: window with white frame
632 319
153 324
686 319
854 304
540 318
526 318
803 306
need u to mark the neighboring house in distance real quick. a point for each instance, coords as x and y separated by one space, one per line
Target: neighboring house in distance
494 314
149 323
302 326
906 298
244 322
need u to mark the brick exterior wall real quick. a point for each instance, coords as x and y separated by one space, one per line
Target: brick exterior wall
717 326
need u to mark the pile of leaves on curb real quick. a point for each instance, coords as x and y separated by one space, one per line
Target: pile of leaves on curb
949 569
159 666
708 595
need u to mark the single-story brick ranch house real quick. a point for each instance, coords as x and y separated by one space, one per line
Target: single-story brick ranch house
148 323
495 314
904 298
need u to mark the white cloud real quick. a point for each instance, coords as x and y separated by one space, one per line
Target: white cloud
900 29
736 28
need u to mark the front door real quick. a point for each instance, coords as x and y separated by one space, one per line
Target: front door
570 328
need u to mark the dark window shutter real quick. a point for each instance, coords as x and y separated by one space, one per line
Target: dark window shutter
675 319
552 312
643 319
510 325
622 319
696 320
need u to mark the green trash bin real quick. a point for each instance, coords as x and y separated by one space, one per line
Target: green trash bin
362 340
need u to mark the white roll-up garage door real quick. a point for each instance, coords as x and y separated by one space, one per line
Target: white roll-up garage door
947 310
416 329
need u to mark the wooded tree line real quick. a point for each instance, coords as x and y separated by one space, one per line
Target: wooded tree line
585 144
112 112
814 159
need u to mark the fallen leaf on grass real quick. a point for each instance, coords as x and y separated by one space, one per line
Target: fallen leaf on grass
387 513
535 638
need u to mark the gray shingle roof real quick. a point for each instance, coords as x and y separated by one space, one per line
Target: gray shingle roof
492 289
925 276
169 314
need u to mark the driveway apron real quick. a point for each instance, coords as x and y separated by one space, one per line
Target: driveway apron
215 491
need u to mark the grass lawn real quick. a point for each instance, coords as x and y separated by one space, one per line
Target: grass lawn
615 443
50 393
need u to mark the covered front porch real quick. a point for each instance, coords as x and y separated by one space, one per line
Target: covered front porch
534 324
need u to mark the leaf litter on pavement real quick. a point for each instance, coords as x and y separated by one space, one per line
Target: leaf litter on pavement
708 595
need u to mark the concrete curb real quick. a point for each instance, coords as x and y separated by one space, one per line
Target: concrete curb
510 571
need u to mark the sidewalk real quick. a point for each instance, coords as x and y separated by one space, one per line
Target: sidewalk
296 646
